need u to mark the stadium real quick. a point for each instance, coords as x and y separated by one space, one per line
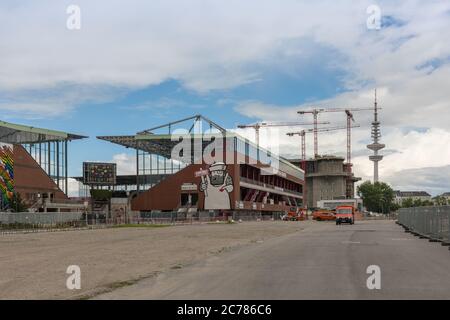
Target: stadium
34 168
192 167
174 174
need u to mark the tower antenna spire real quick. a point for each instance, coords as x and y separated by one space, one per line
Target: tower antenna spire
375 146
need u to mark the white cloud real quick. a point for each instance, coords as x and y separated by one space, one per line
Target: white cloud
73 188
415 150
435 180
53 102
126 163
206 45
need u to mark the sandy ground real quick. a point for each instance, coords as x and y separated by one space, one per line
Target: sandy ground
33 266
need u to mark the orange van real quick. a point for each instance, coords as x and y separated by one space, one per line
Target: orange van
345 214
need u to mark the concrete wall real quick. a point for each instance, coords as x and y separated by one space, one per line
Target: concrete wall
328 187
326 180
330 166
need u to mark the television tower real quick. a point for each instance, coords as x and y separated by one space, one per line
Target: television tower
375 146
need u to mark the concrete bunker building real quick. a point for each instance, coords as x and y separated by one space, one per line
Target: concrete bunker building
327 178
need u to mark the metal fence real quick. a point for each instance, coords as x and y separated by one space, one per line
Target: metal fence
27 222
39 217
40 221
432 222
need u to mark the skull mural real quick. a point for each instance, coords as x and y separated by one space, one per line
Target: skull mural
216 186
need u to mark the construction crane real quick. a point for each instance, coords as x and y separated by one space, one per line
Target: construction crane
303 133
348 111
259 125
315 113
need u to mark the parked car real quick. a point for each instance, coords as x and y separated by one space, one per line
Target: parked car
323 215
294 214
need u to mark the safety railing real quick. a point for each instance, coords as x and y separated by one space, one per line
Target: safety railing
47 222
431 222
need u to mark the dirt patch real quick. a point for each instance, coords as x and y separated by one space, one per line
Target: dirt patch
34 265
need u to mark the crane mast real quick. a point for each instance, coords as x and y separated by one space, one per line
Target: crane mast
257 126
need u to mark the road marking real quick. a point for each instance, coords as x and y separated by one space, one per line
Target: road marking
351 242
400 239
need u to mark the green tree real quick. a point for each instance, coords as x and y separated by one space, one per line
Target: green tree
395 207
377 197
440 201
408 203
417 203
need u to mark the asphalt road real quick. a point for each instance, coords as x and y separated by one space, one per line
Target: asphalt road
323 261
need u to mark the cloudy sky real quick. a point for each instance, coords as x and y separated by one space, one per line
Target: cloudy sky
136 64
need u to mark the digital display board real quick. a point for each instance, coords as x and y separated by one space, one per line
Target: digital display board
95 173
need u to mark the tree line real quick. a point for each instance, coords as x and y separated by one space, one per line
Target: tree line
379 197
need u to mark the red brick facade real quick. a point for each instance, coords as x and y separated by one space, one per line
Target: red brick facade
30 179
167 194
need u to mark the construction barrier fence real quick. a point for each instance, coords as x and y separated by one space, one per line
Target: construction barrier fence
431 222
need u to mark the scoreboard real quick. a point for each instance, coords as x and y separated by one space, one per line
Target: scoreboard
96 173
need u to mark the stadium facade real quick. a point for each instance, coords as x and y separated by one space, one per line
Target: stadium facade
209 170
34 165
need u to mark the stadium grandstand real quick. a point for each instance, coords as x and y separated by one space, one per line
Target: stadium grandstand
194 165
34 167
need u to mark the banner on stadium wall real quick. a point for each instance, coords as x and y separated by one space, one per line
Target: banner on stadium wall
6 174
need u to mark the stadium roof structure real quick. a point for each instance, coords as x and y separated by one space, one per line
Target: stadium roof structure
162 143
21 134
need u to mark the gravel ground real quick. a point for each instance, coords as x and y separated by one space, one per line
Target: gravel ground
33 266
